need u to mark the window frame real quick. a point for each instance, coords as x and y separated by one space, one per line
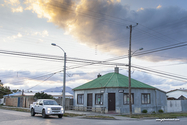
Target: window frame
132 99
101 100
82 99
147 98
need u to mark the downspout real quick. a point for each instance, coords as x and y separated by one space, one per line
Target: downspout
156 99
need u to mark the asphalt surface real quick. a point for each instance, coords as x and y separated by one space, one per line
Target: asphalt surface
8 117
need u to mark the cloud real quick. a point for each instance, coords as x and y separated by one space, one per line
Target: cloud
43 33
19 9
15 5
12 2
103 23
15 36
159 6
140 9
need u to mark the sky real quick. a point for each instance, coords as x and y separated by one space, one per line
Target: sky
93 30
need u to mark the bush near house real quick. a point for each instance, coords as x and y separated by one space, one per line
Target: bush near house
144 111
160 111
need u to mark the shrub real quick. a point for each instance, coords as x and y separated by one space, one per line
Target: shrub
160 111
144 111
153 112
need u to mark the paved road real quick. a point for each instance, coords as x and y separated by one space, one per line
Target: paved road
8 117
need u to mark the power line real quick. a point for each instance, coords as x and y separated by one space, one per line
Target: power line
42 81
172 46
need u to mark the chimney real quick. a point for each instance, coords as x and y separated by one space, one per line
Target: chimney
99 75
116 69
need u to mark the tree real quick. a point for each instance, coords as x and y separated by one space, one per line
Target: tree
4 91
42 95
16 90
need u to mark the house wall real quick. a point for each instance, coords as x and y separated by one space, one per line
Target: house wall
158 100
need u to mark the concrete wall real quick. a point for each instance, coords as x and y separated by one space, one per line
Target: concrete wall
24 101
158 99
176 105
184 105
11 102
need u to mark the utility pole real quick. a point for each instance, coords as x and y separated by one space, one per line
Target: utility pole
64 84
130 104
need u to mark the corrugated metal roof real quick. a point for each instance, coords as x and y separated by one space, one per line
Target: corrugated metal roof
33 93
177 93
113 80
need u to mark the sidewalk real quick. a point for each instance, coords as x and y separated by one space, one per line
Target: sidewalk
100 114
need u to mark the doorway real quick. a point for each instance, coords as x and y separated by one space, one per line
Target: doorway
89 102
111 102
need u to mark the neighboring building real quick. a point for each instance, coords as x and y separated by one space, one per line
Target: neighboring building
177 100
24 99
110 92
177 94
1 84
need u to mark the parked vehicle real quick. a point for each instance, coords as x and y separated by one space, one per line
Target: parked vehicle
46 107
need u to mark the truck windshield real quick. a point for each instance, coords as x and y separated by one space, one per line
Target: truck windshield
50 102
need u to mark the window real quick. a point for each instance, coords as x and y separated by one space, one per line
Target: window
126 98
80 98
98 99
146 98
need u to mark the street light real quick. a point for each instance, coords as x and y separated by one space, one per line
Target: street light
64 80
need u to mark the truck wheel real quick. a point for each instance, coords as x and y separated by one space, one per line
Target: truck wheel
43 114
32 112
60 116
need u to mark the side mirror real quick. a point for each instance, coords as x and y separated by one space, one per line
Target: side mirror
40 103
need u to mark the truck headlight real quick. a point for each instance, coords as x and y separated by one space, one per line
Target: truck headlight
48 109
62 109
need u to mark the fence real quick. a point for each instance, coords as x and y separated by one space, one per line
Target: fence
87 108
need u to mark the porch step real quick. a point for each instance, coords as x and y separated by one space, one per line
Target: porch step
112 112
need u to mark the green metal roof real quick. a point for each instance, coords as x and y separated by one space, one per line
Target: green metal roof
113 80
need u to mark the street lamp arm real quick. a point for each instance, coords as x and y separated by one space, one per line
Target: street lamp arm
136 51
53 44
61 48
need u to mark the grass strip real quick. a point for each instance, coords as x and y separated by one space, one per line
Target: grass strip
159 115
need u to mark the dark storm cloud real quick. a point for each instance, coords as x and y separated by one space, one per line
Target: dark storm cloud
103 23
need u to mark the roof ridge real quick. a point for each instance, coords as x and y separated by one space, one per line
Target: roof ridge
117 79
108 80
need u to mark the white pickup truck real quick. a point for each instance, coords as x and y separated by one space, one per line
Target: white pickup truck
46 107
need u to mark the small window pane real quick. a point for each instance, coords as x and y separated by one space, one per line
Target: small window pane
98 99
126 98
146 98
80 98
